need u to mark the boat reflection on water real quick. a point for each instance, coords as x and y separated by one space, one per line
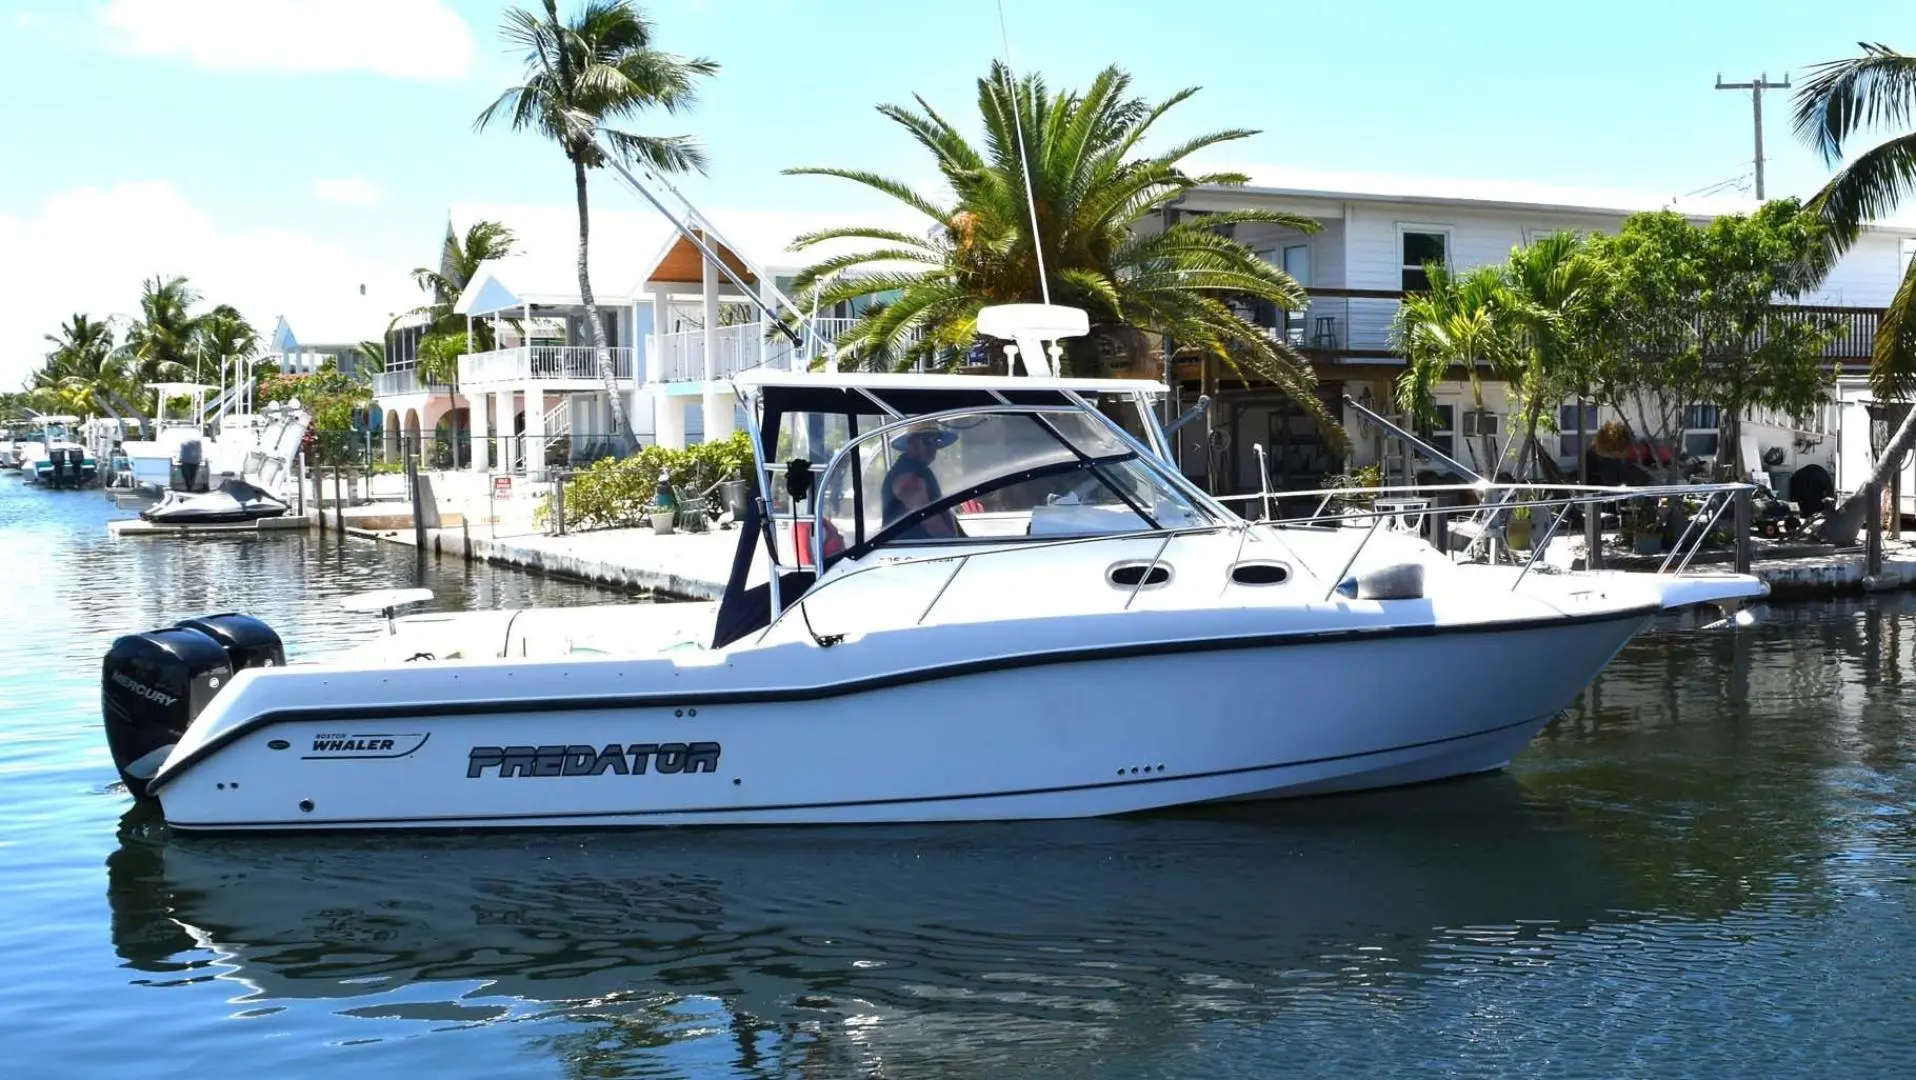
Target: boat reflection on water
982 946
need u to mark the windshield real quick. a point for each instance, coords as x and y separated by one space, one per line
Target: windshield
992 475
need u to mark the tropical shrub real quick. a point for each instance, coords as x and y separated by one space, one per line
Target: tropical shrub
618 493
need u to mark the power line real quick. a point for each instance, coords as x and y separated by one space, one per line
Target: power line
1756 87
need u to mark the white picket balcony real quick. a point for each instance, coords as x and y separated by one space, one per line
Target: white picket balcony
405 381
557 364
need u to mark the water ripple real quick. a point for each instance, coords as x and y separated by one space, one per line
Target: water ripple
1704 867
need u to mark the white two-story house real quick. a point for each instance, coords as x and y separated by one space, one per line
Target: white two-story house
1373 238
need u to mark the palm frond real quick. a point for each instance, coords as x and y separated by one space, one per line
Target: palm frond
1843 97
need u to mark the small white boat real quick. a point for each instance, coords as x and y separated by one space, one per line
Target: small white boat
174 456
51 458
271 443
1023 612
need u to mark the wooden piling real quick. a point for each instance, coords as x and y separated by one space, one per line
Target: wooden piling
1873 530
1745 547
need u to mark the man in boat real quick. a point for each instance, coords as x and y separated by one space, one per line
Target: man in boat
911 485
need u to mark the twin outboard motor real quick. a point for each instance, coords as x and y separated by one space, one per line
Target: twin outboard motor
65 462
152 685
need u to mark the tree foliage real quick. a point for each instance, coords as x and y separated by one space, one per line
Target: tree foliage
338 404
1661 316
1700 314
459 261
1101 231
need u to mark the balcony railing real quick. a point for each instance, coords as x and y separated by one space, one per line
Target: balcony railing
681 355
405 381
575 363
1356 323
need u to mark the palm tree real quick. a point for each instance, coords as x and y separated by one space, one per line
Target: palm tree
458 263
228 341
1842 99
601 66
160 341
83 371
372 357
1108 246
1468 322
1552 291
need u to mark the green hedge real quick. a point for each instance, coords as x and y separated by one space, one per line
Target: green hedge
617 493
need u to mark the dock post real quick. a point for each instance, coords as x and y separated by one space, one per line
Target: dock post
418 510
1592 536
299 484
319 493
339 504
1873 529
1744 545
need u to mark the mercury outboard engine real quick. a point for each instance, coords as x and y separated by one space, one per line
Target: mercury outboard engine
190 459
152 685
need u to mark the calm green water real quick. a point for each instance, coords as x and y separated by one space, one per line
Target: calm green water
1705 869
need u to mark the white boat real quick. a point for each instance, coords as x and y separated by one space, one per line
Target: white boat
51 458
270 441
174 457
1067 628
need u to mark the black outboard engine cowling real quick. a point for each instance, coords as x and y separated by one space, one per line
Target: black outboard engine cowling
153 684
248 642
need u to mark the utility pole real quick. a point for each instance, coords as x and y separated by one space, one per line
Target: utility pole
1756 89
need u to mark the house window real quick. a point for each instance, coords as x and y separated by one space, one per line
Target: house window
1567 429
1419 246
1297 263
1701 431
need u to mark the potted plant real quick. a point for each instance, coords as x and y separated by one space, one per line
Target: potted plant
1612 440
1517 533
663 519
664 510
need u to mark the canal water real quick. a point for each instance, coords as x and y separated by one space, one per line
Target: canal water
1706 868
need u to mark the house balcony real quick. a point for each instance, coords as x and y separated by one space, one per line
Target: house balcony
680 357
1354 325
559 367
405 381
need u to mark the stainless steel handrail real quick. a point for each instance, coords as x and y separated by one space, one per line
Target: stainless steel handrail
1564 496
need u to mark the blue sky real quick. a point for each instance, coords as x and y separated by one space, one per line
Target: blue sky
282 151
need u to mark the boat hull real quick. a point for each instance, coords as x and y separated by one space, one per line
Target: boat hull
1035 736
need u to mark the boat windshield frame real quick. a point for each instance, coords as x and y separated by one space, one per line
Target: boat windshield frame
1212 513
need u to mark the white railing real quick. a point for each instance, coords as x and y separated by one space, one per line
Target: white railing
681 355
405 381
576 363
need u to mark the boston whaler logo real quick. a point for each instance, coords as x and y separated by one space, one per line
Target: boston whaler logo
143 690
356 745
627 759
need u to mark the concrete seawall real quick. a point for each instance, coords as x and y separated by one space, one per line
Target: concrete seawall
684 566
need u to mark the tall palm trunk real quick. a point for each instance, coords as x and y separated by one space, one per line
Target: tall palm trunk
595 331
1843 526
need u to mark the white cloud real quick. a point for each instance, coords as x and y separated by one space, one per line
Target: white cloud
348 191
408 39
88 250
